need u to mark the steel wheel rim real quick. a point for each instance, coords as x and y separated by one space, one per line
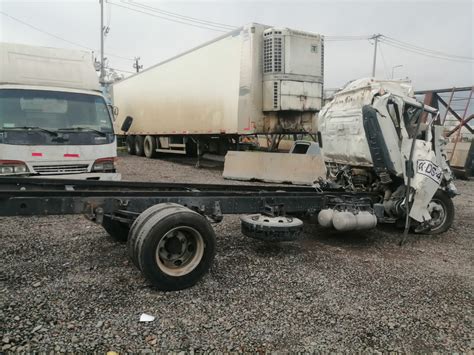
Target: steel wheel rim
438 213
179 251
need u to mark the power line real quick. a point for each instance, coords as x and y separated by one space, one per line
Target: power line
346 38
43 31
166 18
205 24
183 17
426 49
56 36
109 16
121 70
426 53
423 53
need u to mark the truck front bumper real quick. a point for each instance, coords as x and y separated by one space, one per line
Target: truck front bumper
84 176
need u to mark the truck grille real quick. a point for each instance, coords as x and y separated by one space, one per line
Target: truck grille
60 169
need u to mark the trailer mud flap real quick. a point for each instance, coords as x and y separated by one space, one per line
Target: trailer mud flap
297 169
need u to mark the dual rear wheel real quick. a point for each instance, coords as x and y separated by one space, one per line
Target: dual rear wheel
172 246
142 146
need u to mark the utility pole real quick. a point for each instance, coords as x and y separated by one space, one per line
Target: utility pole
136 65
376 39
102 64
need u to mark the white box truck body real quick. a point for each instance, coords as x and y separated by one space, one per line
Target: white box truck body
54 121
254 80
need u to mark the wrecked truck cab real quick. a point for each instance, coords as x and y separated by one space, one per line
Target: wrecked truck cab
378 137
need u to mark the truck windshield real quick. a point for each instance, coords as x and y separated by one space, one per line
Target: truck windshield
53 111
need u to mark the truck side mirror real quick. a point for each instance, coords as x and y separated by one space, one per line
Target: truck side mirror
114 110
127 124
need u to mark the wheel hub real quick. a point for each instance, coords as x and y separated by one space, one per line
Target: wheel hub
175 245
179 251
437 213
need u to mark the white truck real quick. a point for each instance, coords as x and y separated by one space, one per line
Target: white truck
254 80
376 137
54 121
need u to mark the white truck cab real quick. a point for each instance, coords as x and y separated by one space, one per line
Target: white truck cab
54 121
377 137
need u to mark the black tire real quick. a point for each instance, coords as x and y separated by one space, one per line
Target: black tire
137 225
139 149
442 200
149 147
183 229
117 230
130 141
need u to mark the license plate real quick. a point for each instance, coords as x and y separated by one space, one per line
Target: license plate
427 168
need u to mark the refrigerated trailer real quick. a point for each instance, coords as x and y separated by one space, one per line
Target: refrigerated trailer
254 80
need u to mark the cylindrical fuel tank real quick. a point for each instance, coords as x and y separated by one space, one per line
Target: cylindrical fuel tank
325 217
366 220
344 221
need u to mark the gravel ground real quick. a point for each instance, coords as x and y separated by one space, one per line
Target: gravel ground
66 286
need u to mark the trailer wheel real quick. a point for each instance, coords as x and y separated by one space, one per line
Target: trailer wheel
139 140
117 230
130 141
175 248
441 209
149 147
137 225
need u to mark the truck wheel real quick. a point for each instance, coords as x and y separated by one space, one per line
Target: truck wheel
139 146
175 248
137 225
131 145
149 147
441 209
117 230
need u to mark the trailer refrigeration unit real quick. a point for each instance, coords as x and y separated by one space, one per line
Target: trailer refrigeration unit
254 80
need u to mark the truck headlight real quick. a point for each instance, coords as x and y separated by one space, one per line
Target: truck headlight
10 167
104 165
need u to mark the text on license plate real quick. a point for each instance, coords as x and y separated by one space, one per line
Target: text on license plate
428 168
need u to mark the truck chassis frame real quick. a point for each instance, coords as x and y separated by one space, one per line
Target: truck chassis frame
149 212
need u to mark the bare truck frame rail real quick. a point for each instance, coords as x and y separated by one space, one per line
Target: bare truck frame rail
167 225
